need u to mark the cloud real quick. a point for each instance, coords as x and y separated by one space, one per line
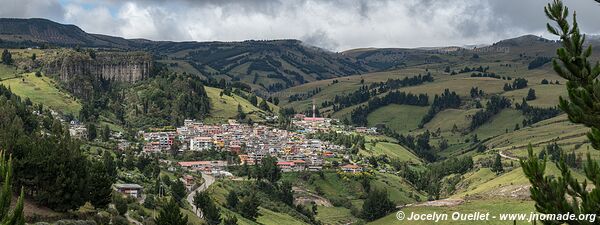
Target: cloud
330 24
50 9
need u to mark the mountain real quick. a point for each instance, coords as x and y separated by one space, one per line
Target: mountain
28 32
265 65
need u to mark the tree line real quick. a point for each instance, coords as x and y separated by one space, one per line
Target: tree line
359 115
493 107
441 102
365 92
48 163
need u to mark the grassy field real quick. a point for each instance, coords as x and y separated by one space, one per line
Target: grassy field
8 72
546 95
268 217
401 118
43 90
335 215
392 150
445 120
399 190
500 123
225 107
493 206
557 129
511 180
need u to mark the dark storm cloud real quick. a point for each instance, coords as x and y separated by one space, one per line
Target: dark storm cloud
331 24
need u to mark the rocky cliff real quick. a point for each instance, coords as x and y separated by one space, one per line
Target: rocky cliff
82 72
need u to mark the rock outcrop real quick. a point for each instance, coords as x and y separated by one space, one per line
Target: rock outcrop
82 72
112 66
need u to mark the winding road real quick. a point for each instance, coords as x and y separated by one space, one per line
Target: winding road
208 180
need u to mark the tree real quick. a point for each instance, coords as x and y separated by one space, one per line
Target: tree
178 190
497 166
230 220
99 185
7 217
248 206
232 200
105 133
210 211
566 194
120 204
91 131
171 215
150 202
6 57
286 194
241 114
377 205
268 169
264 106
109 164
530 95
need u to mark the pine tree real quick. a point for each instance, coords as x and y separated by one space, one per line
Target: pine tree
248 206
178 190
109 164
566 194
531 94
264 106
497 166
210 212
91 131
171 215
105 133
6 57
377 205
99 185
14 217
232 200
230 220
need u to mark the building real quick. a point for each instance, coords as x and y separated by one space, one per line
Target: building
286 166
204 166
78 131
351 168
201 143
132 190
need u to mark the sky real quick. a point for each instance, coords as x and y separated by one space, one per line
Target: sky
335 25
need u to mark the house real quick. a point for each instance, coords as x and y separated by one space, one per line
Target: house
78 131
246 160
201 143
189 181
132 190
286 166
299 164
204 166
351 168
235 149
362 129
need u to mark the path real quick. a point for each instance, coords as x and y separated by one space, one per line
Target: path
506 156
132 220
208 180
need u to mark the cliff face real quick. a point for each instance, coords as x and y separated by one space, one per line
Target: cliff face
82 73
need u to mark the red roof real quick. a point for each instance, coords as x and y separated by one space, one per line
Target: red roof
193 163
351 166
285 163
314 119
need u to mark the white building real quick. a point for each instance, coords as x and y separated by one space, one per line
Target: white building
201 143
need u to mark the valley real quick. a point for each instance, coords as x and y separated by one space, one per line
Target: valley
278 131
